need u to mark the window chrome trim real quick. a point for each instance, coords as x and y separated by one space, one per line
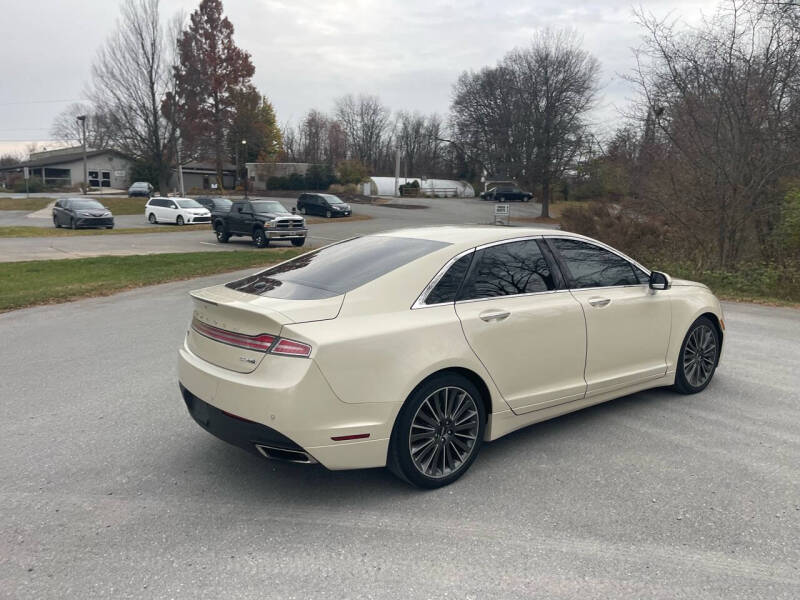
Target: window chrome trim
420 301
508 296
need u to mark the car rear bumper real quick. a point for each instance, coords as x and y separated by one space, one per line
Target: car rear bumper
285 404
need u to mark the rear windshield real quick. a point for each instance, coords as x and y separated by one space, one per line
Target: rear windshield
337 269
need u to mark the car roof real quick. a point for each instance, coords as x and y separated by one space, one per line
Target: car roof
472 235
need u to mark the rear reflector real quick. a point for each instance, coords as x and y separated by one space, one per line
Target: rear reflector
259 343
356 436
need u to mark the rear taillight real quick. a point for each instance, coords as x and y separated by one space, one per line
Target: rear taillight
263 342
292 348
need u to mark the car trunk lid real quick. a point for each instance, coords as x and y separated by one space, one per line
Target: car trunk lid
233 329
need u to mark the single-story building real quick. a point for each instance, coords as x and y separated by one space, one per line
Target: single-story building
259 173
201 175
64 167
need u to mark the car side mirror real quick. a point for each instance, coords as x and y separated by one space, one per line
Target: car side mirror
294 210
660 281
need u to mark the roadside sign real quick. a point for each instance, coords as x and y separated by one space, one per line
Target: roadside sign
26 173
502 214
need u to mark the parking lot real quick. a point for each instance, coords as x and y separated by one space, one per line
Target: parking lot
435 211
111 490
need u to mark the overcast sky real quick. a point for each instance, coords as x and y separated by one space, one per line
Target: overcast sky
308 52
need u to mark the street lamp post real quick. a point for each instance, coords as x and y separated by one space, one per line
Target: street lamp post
82 119
244 161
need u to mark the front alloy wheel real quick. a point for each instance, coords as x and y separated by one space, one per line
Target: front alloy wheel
179 220
698 358
438 433
260 238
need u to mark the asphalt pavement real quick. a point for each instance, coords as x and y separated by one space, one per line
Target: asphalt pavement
110 490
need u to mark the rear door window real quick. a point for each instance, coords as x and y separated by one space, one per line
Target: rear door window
447 288
508 269
336 269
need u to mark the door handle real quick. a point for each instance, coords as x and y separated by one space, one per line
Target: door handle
494 315
599 302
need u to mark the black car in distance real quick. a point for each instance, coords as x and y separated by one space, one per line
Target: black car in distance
504 192
81 212
326 205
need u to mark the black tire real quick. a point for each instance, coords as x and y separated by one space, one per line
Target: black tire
152 218
400 460
299 242
303 210
72 224
179 220
328 214
260 238
56 223
110 227
222 235
697 364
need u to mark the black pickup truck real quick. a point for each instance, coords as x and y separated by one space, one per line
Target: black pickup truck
501 192
263 220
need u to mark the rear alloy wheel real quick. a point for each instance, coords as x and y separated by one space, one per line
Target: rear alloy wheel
328 214
152 218
179 220
698 358
222 235
438 432
260 238
303 210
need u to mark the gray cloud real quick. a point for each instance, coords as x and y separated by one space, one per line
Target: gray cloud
308 52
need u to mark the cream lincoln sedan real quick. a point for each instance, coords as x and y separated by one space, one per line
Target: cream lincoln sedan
409 349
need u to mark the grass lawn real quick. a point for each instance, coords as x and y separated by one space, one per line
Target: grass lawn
48 281
29 204
28 231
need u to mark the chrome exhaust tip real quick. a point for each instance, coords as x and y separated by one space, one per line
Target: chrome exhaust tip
294 456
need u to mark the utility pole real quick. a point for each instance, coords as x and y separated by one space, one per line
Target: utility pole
244 160
82 119
180 165
397 172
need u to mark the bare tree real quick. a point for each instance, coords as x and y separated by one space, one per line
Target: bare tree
524 118
722 116
364 121
130 78
67 128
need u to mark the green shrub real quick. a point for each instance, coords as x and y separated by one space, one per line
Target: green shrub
34 185
319 177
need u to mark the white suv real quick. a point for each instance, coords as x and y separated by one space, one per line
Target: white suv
175 210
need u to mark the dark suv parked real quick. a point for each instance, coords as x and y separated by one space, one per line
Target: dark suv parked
81 212
326 205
